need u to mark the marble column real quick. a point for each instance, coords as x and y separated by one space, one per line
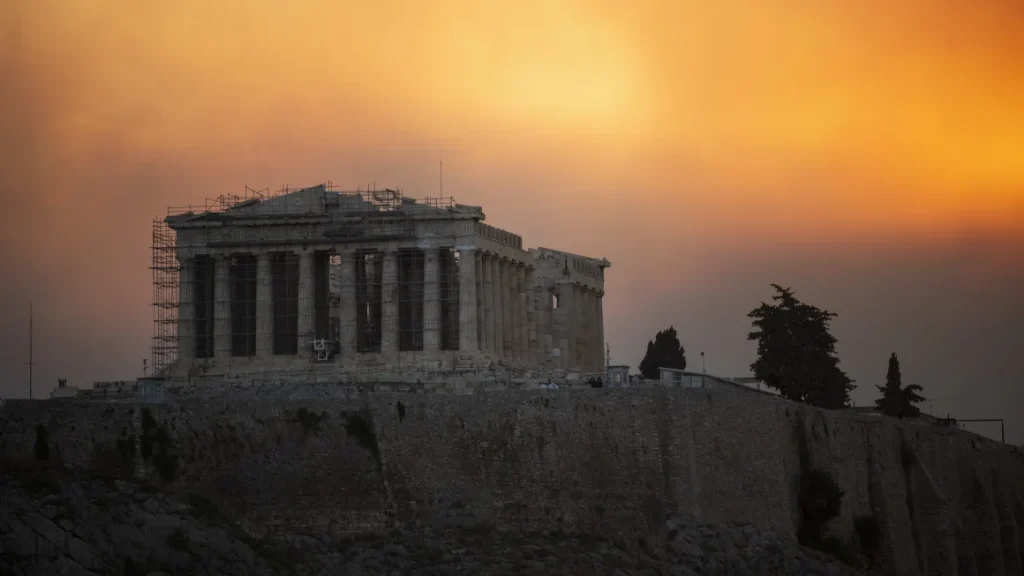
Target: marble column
389 290
306 327
499 307
514 317
264 308
587 333
508 328
567 334
478 274
488 286
565 303
523 332
599 304
580 330
598 331
348 328
186 312
586 352
431 301
547 333
511 313
590 333
580 357
531 319
595 337
222 309
467 299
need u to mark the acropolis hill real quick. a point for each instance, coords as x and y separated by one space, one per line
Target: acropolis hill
317 359
624 464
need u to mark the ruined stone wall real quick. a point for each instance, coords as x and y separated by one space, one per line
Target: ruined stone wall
606 461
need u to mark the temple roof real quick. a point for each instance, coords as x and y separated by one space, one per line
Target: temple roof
321 201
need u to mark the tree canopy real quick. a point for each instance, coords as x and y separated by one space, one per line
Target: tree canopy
897 401
664 352
796 353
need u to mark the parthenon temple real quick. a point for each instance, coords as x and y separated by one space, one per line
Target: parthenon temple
331 280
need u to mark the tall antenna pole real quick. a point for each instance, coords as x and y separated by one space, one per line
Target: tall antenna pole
30 362
441 177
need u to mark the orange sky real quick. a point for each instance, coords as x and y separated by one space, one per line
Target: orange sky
920 103
717 131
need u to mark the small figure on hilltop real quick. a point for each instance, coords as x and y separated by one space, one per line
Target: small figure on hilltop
796 352
897 401
664 352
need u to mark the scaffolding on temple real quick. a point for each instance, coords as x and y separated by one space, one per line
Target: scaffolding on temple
211 308
165 297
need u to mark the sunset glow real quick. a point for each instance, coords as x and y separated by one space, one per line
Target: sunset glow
918 104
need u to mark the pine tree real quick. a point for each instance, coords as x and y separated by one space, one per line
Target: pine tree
890 400
796 352
897 401
665 351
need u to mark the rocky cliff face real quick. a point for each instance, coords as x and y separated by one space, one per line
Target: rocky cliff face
614 463
53 521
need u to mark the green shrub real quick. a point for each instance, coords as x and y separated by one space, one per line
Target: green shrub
310 420
158 446
126 447
148 430
42 447
820 500
164 457
148 422
360 428
907 456
869 534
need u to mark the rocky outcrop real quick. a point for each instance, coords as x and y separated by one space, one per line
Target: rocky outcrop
53 521
611 462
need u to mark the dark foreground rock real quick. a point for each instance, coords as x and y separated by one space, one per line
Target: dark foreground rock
55 523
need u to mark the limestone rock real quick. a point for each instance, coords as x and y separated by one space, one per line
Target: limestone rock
123 528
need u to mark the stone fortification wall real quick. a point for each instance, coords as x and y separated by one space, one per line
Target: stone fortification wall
605 461
347 385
